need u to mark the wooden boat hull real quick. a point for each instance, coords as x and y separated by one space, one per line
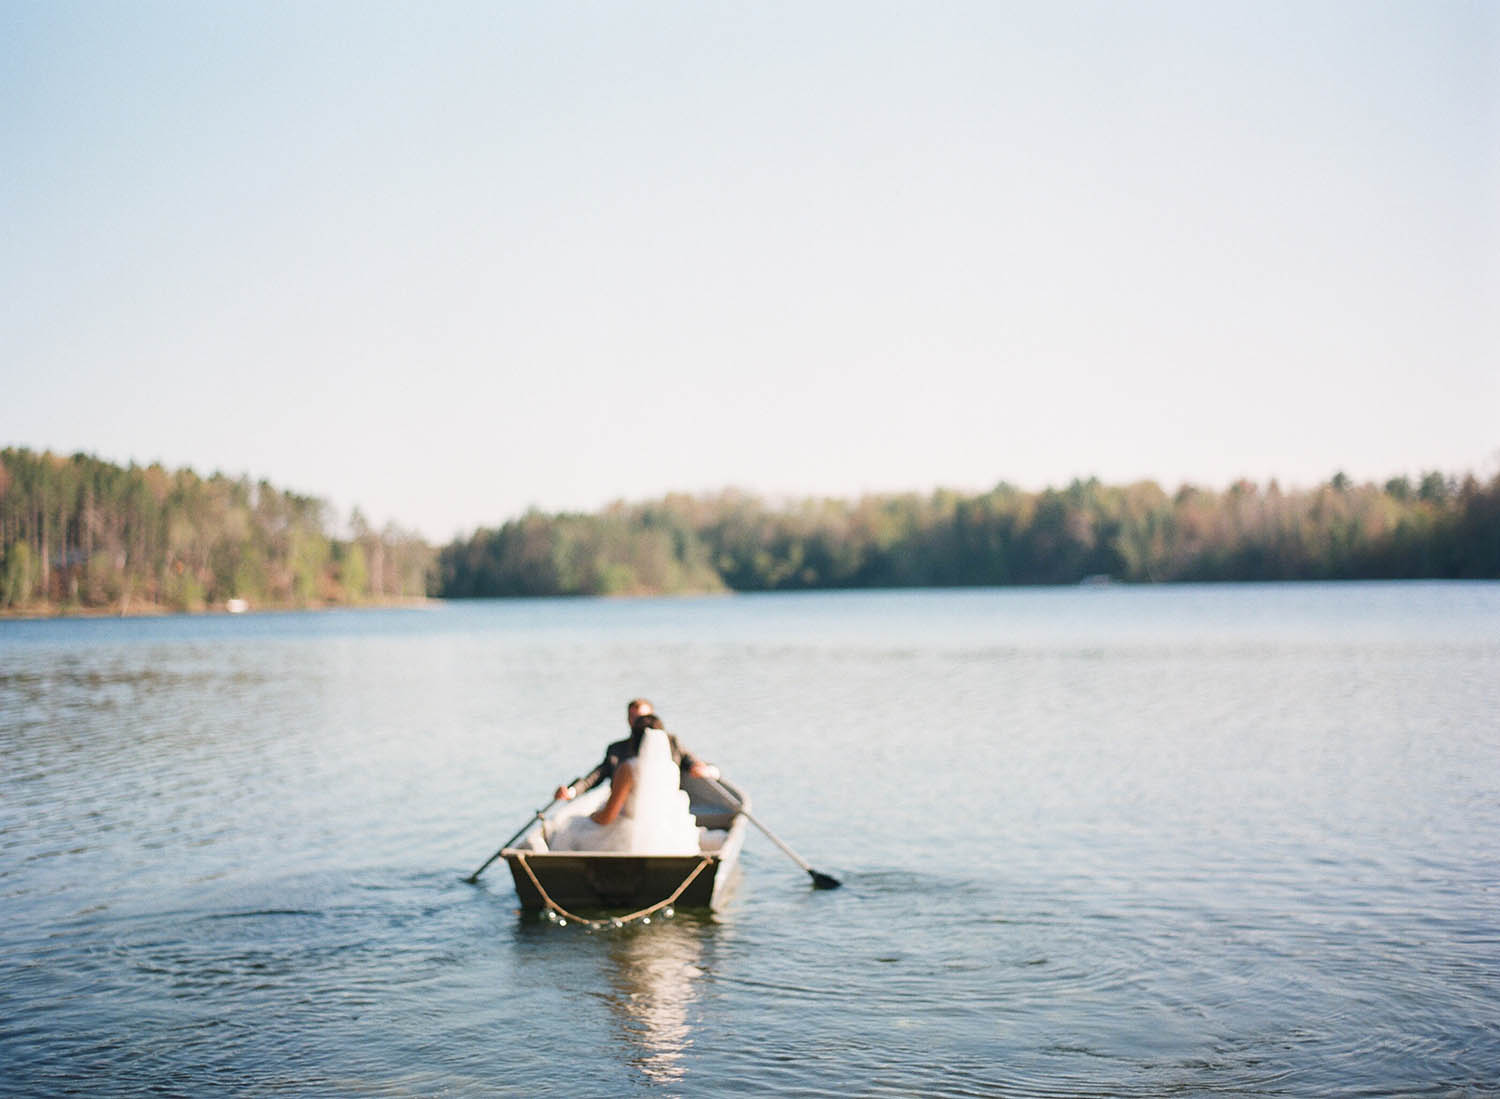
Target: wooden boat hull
626 881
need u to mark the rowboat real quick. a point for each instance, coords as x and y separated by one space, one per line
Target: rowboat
610 880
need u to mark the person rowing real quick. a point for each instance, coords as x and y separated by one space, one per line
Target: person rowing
647 811
622 750
650 810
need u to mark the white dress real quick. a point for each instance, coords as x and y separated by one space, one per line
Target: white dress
655 819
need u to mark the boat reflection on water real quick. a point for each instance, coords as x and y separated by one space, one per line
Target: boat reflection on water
652 982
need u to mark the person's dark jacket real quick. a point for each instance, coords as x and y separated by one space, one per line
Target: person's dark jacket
621 750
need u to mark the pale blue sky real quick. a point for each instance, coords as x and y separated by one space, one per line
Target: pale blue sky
447 261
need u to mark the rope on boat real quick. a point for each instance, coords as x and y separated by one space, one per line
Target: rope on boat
553 906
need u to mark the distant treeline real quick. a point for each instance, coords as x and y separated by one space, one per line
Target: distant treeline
80 533
1436 527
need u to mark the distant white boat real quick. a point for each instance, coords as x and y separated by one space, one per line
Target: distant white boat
236 606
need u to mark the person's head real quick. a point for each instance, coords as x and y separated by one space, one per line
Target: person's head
635 708
639 726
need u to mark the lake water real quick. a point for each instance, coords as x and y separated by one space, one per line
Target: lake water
1229 840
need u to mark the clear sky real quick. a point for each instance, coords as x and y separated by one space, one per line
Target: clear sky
448 261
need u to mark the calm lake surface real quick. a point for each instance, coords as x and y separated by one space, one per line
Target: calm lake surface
1229 840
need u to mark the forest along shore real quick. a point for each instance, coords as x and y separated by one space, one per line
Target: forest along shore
80 535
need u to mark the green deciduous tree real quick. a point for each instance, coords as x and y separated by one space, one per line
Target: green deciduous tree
79 531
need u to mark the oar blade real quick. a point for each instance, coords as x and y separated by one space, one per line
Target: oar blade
823 881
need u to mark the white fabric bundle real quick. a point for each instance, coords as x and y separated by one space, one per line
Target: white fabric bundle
655 819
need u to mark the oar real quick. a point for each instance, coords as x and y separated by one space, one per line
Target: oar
819 880
474 877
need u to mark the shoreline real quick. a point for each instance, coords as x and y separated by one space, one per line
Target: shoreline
154 610
51 613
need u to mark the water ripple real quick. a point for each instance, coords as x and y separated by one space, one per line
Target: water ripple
1115 864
